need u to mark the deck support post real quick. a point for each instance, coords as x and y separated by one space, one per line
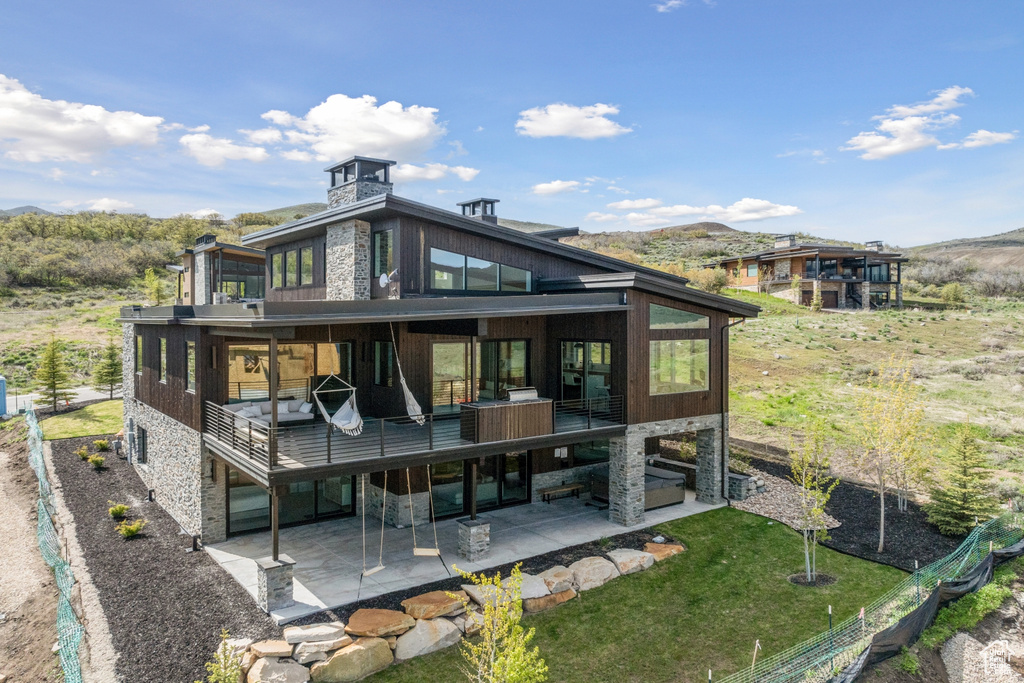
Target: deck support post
274 523
272 440
472 490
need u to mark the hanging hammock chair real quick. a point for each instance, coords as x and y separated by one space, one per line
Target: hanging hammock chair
347 419
412 406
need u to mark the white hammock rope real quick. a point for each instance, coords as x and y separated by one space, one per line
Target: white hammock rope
411 405
347 419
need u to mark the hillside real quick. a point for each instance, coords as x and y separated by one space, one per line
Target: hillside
19 210
1003 250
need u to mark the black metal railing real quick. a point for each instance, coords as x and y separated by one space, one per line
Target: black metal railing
450 392
311 444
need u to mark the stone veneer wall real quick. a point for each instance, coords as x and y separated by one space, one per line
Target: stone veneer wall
582 474
356 191
348 261
628 459
177 466
397 508
201 287
783 267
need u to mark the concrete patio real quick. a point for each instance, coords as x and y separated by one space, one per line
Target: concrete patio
328 555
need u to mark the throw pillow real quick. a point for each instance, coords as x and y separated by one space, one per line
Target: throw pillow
306 408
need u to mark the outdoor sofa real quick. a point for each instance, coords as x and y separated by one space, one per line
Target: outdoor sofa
289 412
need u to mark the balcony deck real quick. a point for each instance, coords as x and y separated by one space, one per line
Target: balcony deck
274 456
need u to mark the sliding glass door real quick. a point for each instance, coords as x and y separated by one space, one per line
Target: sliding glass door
501 365
450 368
304 502
586 369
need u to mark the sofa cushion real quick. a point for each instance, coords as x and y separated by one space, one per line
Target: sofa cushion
292 417
236 407
251 412
293 406
306 408
266 407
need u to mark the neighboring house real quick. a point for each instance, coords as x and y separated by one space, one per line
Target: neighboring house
846 277
217 395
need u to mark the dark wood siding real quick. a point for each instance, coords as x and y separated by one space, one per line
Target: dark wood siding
171 397
606 327
314 292
376 291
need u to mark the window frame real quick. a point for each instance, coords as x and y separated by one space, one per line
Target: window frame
291 267
141 447
464 288
138 353
277 270
162 344
305 266
389 237
682 327
190 367
652 354
378 380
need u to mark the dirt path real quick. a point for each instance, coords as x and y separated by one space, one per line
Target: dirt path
28 594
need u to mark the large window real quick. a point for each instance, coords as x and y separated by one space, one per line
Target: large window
878 272
678 366
450 368
163 359
383 255
138 354
586 369
751 270
291 267
190 366
383 352
240 279
665 318
451 271
277 270
306 260
501 365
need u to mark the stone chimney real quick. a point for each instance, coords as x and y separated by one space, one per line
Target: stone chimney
482 209
358 178
875 245
785 241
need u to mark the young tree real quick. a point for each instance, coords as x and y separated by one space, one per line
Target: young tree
52 375
154 287
108 371
794 287
809 469
964 493
891 433
501 654
816 300
765 275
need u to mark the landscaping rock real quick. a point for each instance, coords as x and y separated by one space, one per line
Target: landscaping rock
531 587
631 561
663 551
557 579
314 633
360 659
591 572
392 641
425 637
271 648
379 622
248 659
469 623
481 595
548 601
238 646
274 670
312 652
435 604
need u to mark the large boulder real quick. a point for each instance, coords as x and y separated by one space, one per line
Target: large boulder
274 670
435 604
548 601
630 561
357 661
317 651
314 632
557 579
663 551
376 623
591 572
425 637
271 648
531 587
238 646
481 595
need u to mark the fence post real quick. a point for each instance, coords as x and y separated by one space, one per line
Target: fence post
831 642
917 581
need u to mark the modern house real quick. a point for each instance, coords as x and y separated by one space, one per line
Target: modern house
846 277
220 399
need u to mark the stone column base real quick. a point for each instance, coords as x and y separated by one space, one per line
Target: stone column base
275 583
474 539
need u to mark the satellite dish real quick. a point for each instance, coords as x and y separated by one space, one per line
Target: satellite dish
384 280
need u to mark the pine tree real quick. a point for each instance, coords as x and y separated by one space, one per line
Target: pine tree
108 372
52 374
964 494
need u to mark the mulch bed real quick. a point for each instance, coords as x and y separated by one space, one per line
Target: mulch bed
909 535
165 607
633 540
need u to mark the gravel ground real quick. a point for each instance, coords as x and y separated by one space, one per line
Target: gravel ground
908 535
633 540
165 607
780 501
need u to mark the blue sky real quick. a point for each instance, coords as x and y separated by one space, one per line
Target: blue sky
867 120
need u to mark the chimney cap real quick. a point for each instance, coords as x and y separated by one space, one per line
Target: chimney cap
371 160
477 201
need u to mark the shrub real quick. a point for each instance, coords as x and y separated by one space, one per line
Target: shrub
97 461
102 445
226 666
82 453
118 510
712 280
953 293
130 529
965 613
908 662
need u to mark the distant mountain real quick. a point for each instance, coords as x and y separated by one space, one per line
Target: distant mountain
1004 249
289 213
18 210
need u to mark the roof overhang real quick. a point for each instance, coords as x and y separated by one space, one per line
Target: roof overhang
225 247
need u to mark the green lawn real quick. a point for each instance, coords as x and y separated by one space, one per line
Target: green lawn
95 420
698 610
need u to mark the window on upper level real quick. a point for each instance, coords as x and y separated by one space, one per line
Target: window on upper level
138 354
451 271
665 318
383 352
291 268
163 359
306 261
190 366
383 253
277 270
679 366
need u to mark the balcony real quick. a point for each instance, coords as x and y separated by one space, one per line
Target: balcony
285 454
825 277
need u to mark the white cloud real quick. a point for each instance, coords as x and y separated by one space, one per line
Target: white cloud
262 136
556 187
816 155
620 190
211 151
981 138
458 150
412 173
599 217
906 128
566 120
343 126
668 5
108 204
34 129
56 174
627 204
297 155
203 213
